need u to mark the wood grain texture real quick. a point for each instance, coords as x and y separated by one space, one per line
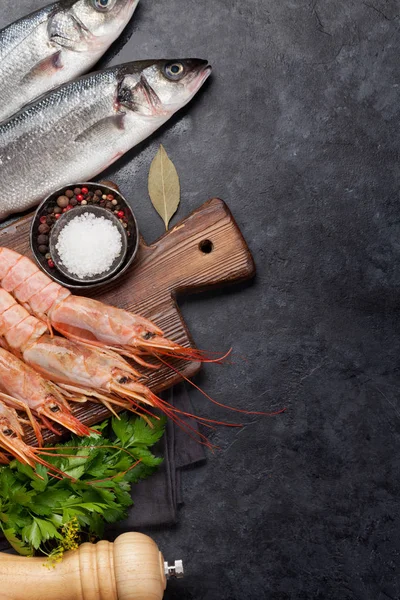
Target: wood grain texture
204 250
130 569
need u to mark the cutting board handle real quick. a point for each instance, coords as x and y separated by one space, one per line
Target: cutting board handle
205 249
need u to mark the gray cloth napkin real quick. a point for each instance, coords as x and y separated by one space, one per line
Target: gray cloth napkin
158 498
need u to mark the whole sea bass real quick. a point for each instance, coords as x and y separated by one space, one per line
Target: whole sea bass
54 45
82 127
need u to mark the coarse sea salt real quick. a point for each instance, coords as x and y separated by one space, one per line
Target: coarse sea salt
88 245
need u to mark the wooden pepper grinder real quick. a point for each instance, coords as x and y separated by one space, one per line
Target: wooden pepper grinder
132 568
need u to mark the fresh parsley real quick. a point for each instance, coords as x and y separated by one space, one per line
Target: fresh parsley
40 514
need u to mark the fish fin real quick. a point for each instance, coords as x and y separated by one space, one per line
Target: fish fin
45 68
102 129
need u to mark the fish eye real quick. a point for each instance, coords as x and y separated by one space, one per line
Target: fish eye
54 408
103 4
174 71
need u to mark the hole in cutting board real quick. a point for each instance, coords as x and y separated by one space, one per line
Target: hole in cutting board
206 246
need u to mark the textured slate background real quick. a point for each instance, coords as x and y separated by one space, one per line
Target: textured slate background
298 132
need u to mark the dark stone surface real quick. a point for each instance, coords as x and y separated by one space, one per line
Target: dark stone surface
298 132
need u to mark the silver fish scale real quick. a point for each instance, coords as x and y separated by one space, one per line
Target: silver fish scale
23 45
69 135
17 32
75 132
32 62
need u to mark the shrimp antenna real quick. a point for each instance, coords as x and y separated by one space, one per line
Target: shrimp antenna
238 410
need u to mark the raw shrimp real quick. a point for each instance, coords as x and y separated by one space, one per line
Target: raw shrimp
100 374
24 389
11 434
86 320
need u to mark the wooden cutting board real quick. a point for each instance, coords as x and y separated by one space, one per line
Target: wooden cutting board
204 250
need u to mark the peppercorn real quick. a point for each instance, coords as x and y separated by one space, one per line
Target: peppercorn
114 202
79 197
57 210
48 256
49 220
44 228
50 210
73 201
43 219
109 205
84 202
50 263
91 194
77 191
84 191
43 249
96 199
43 240
69 193
121 214
98 193
57 216
62 201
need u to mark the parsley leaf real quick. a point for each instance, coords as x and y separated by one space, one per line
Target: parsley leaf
17 544
31 534
38 511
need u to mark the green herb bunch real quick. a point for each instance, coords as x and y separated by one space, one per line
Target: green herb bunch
40 514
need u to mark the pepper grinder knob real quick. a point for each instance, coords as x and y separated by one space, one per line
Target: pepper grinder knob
176 570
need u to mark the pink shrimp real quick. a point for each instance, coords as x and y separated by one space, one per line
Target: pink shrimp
86 371
22 388
11 434
86 320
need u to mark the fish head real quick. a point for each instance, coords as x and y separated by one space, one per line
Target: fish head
90 24
162 87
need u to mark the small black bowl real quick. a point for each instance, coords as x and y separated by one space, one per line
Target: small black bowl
66 218
132 233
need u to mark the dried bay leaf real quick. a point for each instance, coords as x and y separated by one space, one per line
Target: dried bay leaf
164 186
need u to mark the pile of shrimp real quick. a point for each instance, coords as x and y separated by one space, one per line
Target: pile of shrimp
57 349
